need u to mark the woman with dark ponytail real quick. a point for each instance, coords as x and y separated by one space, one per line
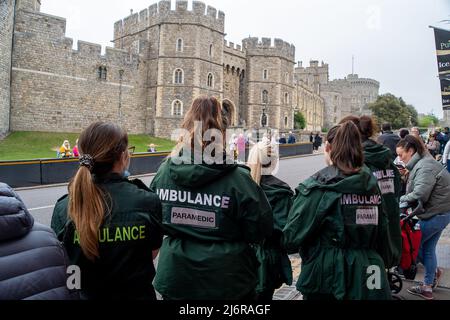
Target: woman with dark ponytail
109 225
334 225
379 160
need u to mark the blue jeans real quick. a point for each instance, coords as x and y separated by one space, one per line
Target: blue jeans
448 165
431 232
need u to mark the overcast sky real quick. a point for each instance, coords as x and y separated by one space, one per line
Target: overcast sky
390 39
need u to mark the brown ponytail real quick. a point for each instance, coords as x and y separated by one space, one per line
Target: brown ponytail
102 144
366 125
346 148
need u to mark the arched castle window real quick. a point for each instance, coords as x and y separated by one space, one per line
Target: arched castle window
265 74
178 76
180 45
285 122
265 97
286 98
286 77
101 73
210 50
177 108
210 82
264 120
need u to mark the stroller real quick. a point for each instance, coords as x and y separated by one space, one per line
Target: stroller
411 239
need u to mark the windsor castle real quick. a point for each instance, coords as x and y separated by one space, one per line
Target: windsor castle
162 59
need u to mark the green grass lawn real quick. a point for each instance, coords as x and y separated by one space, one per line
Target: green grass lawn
41 145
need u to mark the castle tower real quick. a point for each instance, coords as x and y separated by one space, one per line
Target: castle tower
313 76
270 83
6 37
364 92
184 57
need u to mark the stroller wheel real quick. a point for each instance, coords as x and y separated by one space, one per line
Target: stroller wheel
395 282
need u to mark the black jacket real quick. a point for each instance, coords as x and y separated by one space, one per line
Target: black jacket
390 140
32 260
124 270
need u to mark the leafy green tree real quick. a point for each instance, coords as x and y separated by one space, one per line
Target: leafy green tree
299 120
428 120
390 109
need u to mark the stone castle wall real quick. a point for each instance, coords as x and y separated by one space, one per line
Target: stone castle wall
57 88
6 36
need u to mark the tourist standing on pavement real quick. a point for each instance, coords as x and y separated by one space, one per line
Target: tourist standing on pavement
109 225
213 212
378 159
389 139
429 183
291 138
275 266
335 225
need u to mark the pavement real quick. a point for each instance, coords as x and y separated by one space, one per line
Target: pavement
291 293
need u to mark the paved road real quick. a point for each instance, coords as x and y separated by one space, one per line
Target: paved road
41 201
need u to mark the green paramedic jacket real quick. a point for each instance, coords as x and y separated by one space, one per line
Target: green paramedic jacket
379 160
275 266
211 215
126 240
334 225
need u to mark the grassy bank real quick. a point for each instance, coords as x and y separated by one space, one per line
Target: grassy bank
37 145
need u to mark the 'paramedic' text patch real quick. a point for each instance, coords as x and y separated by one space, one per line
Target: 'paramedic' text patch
193 217
386 186
367 216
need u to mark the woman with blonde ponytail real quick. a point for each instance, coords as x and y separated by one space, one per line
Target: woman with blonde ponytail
275 266
109 225
337 225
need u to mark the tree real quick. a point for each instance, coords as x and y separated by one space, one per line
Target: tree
299 120
428 120
390 109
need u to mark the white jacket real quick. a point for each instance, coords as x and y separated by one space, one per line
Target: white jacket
446 155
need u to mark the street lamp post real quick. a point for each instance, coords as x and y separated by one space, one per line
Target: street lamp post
121 72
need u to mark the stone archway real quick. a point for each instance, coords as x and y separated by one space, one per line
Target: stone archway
229 113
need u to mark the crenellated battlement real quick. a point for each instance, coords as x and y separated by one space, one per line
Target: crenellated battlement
161 12
230 47
264 46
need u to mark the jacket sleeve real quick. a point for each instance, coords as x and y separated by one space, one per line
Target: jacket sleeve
155 211
281 211
424 182
302 222
446 153
256 215
389 244
59 220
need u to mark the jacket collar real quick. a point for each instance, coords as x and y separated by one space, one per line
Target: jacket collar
414 160
110 177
